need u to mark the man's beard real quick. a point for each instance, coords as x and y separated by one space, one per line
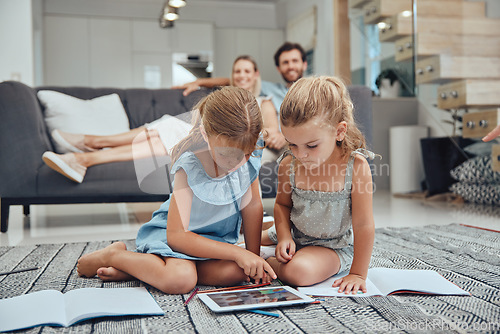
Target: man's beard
290 81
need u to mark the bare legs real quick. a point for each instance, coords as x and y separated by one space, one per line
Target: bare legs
137 147
309 265
125 138
170 275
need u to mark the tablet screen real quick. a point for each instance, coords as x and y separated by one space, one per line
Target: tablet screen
253 298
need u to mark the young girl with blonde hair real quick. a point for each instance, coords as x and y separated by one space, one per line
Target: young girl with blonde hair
191 239
323 211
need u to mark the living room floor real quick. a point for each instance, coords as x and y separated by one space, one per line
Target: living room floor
89 222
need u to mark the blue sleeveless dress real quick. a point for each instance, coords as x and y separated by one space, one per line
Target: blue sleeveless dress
215 211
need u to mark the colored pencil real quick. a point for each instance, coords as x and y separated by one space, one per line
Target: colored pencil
18 271
191 296
240 287
265 313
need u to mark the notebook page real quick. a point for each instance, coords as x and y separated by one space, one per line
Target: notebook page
390 280
325 288
42 307
96 302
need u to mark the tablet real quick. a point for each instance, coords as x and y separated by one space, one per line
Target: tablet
253 298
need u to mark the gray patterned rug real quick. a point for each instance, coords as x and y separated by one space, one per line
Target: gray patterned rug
469 257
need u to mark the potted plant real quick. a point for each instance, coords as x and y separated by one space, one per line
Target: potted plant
388 83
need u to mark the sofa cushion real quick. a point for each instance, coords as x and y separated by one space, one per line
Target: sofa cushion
103 115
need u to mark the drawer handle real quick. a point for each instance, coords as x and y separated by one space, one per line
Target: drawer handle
374 9
470 124
420 71
429 68
454 94
443 96
483 123
408 45
400 48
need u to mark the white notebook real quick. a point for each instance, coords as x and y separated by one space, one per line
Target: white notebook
386 281
51 307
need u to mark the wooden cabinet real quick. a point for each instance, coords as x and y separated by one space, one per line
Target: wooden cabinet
444 68
376 10
479 124
400 25
430 44
469 93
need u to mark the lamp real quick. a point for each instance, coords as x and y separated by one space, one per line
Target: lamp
165 23
171 13
177 3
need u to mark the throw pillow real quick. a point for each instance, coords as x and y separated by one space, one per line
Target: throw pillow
477 192
103 115
476 170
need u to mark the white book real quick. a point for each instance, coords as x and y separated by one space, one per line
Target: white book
386 281
52 307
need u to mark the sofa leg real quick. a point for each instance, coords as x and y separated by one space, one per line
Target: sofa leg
4 217
26 210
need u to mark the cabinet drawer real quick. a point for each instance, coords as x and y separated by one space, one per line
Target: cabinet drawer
430 44
495 158
442 68
376 10
479 124
469 93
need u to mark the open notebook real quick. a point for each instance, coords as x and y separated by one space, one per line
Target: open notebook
51 307
387 281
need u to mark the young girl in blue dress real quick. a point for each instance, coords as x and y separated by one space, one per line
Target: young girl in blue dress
216 190
323 210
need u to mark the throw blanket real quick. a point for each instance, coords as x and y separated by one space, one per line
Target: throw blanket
468 257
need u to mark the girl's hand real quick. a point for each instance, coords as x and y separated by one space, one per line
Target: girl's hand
255 267
285 250
351 283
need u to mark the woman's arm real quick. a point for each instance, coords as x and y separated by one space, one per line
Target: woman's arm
282 207
493 134
363 227
202 82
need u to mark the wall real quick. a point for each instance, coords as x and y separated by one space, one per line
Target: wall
16 41
108 42
323 53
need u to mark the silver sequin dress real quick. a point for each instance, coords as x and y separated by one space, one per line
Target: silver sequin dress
323 218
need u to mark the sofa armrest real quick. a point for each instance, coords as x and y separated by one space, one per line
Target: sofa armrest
23 139
361 97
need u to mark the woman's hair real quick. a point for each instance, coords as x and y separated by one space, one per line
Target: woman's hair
258 82
231 112
327 99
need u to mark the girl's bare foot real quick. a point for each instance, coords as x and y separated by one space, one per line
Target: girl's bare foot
113 274
88 264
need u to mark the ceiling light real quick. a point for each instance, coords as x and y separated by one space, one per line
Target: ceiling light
177 3
382 25
406 13
165 23
171 14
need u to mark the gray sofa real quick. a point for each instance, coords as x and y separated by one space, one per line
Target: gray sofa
26 180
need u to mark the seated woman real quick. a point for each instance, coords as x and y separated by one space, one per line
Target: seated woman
157 138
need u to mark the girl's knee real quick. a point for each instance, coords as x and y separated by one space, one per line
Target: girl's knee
178 279
296 272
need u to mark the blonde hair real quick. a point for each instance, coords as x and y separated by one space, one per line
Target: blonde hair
325 98
231 112
258 83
